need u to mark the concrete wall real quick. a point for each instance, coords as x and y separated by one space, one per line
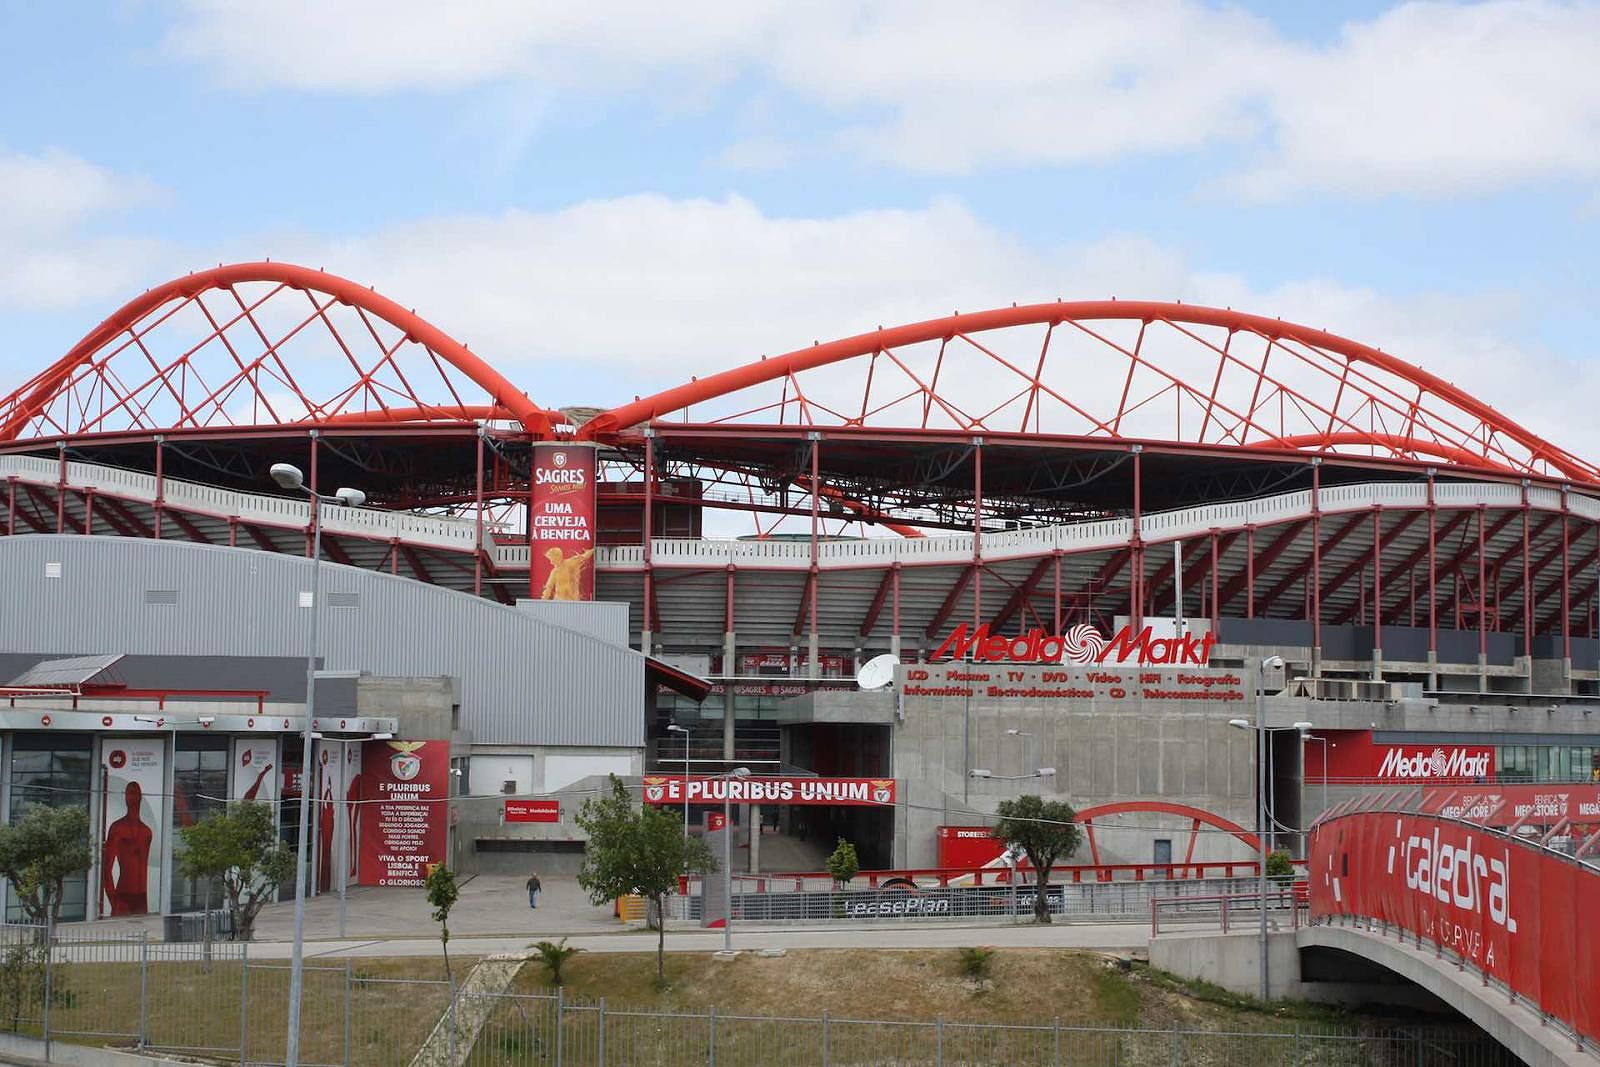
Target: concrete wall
1180 751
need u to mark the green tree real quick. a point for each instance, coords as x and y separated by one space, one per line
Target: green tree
634 848
239 848
442 896
842 864
40 852
1046 831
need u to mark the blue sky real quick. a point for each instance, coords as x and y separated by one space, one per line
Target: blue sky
671 190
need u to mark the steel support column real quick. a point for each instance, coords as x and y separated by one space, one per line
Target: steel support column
647 616
977 532
1136 542
813 645
161 496
1433 587
1249 572
1377 594
1315 607
477 510
1483 632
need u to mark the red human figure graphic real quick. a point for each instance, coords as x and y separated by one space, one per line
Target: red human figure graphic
125 859
255 787
325 836
352 815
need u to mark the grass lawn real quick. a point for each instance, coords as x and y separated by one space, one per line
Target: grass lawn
392 1005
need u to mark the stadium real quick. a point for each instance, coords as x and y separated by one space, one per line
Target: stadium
1090 534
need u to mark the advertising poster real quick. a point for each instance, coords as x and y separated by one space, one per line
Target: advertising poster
532 811
1510 910
132 779
1353 756
338 813
561 523
405 810
255 770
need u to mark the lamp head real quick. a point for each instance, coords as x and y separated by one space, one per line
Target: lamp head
1047 772
674 728
740 772
287 475
1302 726
1272 663
350 498
979 772
1243 724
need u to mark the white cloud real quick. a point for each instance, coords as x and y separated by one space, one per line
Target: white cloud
48 257
1427 98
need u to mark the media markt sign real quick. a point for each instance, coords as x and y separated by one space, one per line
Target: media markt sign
1082 644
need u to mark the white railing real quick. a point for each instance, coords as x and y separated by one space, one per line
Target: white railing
255 508
1093 535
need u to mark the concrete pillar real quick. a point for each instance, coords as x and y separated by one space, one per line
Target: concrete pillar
813 664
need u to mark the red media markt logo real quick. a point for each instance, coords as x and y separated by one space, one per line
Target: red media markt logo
1082 644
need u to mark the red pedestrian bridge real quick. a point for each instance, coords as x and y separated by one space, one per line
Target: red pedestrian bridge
1496 916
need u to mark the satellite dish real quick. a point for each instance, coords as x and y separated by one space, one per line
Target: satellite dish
877 672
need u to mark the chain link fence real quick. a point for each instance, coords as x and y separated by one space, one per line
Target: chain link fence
218 1004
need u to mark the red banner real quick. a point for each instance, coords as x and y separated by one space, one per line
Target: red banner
405 816
1509 908
561 523
533 811
1352 755
1502 805
855 792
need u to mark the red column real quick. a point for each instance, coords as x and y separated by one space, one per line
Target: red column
1216 615
61 488
88 511
477 507
1566 582
1527 589
233 531
814 650
1377 583
1433 571
1249 572
1136 553
11 505
894 594
649 501
727 608
160 487
977 532
1483 633
1058 592
1316 560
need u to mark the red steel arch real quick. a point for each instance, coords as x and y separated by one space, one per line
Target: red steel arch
1196 816
1337 393
169 359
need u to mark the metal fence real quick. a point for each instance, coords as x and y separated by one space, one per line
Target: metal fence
1129 901
218 1003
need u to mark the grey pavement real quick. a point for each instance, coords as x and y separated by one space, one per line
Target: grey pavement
492 916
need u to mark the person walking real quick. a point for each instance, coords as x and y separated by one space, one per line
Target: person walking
534 887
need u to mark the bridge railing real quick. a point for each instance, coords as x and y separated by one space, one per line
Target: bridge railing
1509 895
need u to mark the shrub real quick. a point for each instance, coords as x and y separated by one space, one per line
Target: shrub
843 864
553 955
976 963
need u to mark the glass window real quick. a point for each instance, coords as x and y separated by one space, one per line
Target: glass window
54 770
199 787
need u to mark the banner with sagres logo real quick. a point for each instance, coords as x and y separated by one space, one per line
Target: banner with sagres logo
1515 912
855 792
561 522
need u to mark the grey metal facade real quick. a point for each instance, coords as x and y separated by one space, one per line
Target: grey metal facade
524 680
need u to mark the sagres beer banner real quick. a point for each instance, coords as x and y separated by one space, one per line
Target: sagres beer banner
405 810
1514 911
561 523
868 792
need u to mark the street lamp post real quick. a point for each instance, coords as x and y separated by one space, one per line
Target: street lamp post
1305 735
674 728
1260 727
727 854
288 476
